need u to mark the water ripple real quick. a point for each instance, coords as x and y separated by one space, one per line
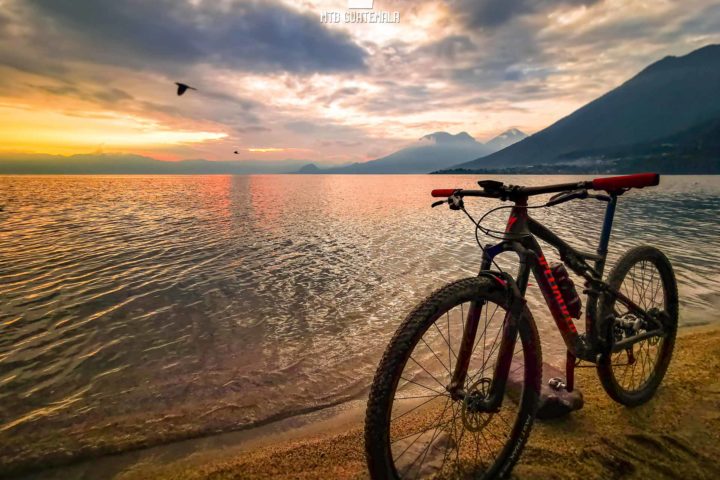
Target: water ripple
231 299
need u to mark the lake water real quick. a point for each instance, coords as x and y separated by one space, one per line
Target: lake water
136 310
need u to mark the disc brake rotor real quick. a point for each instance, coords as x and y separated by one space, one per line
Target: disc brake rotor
473 419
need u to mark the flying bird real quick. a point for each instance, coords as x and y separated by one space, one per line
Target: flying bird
237 153
182 88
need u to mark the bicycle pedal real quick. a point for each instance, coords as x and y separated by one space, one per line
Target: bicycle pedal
557 384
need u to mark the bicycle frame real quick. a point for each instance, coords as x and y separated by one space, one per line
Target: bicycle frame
521 225
520 237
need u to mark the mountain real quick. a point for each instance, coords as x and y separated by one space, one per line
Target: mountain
670 96
309 168
431 152
692 151
506 139
109 164
444 138
434 151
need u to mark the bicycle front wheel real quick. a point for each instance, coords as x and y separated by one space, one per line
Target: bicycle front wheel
414 427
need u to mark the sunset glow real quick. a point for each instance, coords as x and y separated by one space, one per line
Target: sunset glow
266 150
448 65
46 131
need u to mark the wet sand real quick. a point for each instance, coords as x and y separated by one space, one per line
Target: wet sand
675 435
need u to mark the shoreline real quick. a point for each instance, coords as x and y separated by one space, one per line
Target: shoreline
327 443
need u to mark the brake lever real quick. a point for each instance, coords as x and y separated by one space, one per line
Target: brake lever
563 197
604 198
455 202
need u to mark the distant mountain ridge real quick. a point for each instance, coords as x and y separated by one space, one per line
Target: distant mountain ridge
449 138
693 151
672 95
506 139
431 152
124 164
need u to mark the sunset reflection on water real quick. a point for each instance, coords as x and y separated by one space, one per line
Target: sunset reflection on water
135 299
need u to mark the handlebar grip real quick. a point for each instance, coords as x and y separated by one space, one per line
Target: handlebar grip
626 181
444 192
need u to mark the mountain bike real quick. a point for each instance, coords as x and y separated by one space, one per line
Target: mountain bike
442 403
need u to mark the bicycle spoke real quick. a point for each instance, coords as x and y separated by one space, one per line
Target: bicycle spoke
447 315
444 443
418 396
415 433
495 346
651 284
438 358
427 449
425 370
490 450
423 386
447 448
443 337
412 409
487 323
643 285
419 434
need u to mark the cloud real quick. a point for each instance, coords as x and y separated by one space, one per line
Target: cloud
259 36
496 13
706 21
270 73
450 47
252 129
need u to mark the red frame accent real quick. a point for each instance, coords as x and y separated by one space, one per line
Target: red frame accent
544 277
639 180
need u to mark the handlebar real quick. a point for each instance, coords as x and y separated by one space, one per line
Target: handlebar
494 189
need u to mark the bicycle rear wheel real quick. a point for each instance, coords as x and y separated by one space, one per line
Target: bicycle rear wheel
646 277
414 428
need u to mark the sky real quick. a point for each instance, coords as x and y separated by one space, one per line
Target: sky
275 82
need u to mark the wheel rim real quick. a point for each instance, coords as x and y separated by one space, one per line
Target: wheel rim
433 435
633 369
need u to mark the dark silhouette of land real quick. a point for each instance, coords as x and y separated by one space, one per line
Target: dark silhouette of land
659 118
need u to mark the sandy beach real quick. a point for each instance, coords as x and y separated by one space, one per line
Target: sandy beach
675 435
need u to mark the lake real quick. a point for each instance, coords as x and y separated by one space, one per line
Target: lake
138 310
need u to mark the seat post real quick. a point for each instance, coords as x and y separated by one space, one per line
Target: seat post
605 234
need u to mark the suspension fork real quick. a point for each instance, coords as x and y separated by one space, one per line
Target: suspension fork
508 337
469 334
466 348
502 367
470 331
516 307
